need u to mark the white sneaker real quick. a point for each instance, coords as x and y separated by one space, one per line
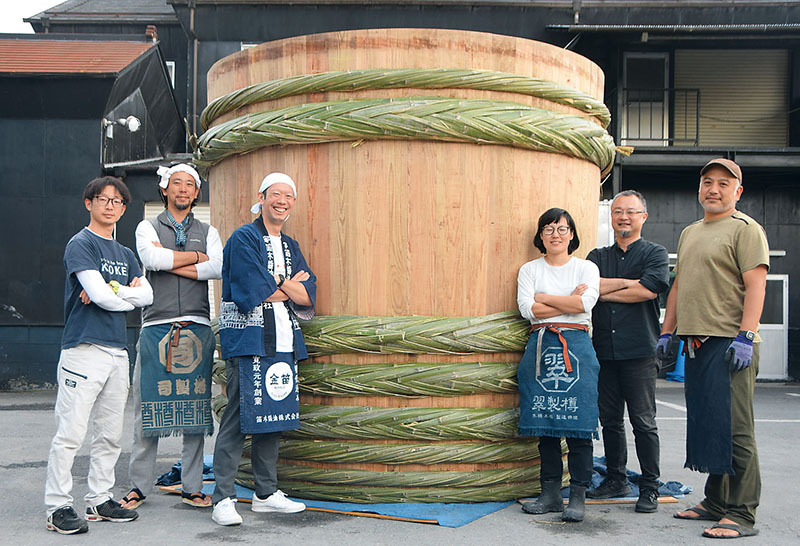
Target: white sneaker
277 502
225 513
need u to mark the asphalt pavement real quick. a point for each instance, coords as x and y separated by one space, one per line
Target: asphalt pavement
27 426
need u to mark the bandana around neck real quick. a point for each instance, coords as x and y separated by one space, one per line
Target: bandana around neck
180 228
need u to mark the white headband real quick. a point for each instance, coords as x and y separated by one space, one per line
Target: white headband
166 172
269 180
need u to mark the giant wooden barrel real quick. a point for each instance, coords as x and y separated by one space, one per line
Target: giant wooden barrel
411 235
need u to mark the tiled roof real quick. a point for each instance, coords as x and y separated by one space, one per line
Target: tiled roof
21 56
126 11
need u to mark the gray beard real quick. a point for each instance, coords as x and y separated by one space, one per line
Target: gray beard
624 234
182 207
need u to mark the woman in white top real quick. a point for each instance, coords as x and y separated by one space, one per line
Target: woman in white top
558 372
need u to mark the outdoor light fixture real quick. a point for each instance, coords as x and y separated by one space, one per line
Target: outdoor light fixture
132 123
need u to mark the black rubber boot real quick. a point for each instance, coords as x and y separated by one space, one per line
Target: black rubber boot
577 504
549 499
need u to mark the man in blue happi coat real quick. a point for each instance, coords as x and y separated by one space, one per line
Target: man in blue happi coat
266 286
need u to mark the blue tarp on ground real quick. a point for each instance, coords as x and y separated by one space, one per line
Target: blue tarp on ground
671 488
444 514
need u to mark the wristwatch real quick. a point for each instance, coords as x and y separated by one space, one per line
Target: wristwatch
282 279
749 334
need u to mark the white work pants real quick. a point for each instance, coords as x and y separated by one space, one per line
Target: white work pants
92 386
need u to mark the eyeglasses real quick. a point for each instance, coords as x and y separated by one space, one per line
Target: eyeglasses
103 201
278 195
549 230
627 212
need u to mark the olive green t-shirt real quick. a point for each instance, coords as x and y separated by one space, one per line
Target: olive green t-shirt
711 259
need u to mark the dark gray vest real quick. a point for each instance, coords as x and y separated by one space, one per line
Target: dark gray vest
175 296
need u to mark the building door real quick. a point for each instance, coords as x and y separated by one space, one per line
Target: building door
645 99
774 331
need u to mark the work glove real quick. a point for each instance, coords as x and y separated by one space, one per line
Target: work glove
739 354
665 349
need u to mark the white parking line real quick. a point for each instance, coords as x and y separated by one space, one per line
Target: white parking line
792 394
789 421
671 405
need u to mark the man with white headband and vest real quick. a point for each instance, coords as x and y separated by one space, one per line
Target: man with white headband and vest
266 286
172 378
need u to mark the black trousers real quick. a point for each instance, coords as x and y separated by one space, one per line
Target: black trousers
633 383
579 460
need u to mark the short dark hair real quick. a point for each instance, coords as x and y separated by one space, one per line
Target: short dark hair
96 186
635 194
549 217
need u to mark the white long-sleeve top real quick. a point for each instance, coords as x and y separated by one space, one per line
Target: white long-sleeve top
127 298
161 259
538 276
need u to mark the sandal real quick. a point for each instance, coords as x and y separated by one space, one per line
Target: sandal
702 514
195 499
741 529
135 496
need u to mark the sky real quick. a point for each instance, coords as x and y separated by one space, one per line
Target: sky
13 11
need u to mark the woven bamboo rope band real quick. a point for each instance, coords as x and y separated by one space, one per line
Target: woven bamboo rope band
352 434
442 119
500 332
348 493
332 476
332 451
408 379
370 423
409 78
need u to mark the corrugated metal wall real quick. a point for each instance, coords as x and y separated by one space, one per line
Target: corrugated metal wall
743 95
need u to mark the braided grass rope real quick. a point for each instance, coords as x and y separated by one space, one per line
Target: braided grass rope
333 476
343 435
408 493
408 453
413 78
500 332
441 424
370 423
442 119
409 379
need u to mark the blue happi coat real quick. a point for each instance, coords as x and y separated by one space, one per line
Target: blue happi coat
246 283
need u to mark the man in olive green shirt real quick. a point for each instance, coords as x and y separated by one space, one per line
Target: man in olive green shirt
714 306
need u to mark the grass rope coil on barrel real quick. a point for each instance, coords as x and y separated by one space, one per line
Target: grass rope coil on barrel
474 121
408 379
408 78
349 493
352 435
500 332
407 453
351 477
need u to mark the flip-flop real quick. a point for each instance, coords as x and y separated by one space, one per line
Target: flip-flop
137 500
741 529
192 498
702 514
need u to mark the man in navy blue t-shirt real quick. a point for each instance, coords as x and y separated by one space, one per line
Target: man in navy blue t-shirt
104 281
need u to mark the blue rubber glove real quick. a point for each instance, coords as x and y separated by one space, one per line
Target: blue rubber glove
740 353
662 348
